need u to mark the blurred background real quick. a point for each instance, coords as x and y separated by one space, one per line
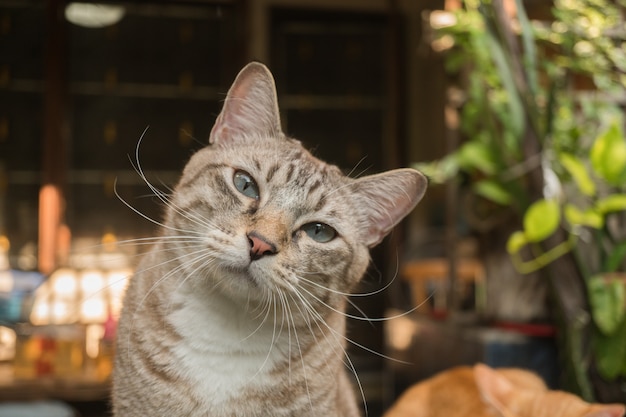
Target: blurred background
485 97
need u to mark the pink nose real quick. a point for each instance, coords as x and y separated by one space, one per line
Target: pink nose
259 246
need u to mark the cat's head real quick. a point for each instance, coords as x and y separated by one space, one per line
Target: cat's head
264 216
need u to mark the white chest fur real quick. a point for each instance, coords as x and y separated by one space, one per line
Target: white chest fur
225 347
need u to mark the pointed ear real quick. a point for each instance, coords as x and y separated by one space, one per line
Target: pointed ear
250 108
610 410
385 199
494 388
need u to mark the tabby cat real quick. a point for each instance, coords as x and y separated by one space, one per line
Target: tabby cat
485 392
239 308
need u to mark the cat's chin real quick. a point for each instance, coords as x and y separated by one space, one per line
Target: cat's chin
238 280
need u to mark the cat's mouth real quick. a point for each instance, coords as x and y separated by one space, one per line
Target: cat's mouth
248 273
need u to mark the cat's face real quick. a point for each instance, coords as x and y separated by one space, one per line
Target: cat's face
267 219
279 196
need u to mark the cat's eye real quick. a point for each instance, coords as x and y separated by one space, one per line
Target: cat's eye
319 232
246 185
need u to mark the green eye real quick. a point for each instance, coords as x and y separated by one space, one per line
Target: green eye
319 232
246 185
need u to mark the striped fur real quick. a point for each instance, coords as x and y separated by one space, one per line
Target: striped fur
207 330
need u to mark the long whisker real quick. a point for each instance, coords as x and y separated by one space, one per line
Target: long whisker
317 318
295 333
357 318
274 335
377 319
356 166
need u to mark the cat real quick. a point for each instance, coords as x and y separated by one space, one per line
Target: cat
481 391
239 307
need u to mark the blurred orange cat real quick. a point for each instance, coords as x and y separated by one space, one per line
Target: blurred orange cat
485 392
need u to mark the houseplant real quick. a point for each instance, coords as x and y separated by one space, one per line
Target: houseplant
544 121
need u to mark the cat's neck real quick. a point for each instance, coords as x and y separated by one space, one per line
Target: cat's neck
215 321
243 346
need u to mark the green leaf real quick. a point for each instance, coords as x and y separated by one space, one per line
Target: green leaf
577 217
516 242
612 203
516 115
477 155
610 351
579 173
494 191
541 220
616 257
440 171
528 40
608 302
608 156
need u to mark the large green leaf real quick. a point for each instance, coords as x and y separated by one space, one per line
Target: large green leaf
608 302
610 352
579 173
577 217
616 257
612 203
608 156
541 220
479 156
516 242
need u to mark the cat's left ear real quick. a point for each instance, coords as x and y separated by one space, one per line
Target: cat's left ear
494 388
385 199
250 108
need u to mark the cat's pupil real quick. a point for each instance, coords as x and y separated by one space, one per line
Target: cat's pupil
246 185
320 232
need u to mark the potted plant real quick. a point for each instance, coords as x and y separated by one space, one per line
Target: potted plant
543 114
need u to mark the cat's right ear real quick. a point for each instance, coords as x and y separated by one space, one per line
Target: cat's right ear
250 108
385 199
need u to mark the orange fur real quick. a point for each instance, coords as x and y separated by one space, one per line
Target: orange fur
485 392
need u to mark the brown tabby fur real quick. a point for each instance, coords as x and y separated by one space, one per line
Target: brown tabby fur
214 326
485 392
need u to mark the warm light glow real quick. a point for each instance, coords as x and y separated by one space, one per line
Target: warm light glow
440 19
117 283
93 310
93 334
61 312
41 313
5 244
64 283
401 331
118 280
85 296
92 282
109 240
92 15
6 281
50 203
7 343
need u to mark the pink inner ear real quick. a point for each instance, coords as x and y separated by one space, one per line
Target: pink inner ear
250 108
386 198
